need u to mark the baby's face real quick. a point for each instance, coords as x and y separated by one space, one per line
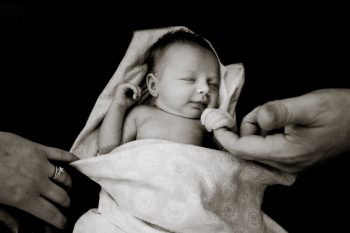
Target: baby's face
189 80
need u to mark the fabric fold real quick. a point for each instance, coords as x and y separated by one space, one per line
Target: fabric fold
179 188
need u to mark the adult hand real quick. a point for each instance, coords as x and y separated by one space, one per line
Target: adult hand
316 127
25 171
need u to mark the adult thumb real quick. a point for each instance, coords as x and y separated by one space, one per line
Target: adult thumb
280 113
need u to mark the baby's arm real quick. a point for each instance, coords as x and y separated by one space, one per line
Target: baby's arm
129 126
112 126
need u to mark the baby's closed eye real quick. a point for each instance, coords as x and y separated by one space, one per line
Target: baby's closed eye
189 79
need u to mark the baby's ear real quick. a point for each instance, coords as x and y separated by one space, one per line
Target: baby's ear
152 84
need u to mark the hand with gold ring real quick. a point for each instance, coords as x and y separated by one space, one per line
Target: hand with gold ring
29 181
59 176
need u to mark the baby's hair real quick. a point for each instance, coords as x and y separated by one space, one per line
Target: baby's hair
155 53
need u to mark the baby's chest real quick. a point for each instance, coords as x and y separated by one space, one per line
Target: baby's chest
178 130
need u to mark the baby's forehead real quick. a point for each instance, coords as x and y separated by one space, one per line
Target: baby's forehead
177 50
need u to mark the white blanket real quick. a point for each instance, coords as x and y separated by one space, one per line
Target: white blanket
161 186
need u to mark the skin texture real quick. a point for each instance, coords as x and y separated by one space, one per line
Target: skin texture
25 171
316 127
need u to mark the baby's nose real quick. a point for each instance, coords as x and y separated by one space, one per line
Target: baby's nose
203 89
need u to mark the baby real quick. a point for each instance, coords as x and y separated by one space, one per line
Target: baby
192 188
183 77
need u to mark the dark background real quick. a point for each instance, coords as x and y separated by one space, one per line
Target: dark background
55 59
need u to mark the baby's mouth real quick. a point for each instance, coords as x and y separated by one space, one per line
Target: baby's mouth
199 104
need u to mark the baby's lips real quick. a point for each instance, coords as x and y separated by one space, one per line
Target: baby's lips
198 105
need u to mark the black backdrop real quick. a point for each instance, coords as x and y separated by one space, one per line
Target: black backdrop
56 59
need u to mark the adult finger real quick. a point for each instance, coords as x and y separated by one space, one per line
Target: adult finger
10 221
58 154
64 177
249 124
56 194
253 147
46 211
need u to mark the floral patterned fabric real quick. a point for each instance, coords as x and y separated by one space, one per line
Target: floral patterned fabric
161 186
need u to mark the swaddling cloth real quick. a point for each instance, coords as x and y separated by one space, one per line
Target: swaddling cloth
161 186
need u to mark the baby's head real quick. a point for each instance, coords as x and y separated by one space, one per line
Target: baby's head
183 74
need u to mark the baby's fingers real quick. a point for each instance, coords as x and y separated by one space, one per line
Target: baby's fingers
136 90
216 118
206 115
137 94
224 122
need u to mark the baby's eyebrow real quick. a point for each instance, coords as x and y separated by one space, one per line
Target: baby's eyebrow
190 72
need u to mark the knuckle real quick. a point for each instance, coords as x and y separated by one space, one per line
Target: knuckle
269 111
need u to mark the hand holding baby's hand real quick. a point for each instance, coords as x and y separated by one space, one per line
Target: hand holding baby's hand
213 119
126 94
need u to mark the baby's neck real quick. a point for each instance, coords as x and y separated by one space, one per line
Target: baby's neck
174 114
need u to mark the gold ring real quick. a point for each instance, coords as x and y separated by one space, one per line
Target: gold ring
57 175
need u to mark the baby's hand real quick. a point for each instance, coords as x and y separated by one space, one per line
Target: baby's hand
213 119
126 94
